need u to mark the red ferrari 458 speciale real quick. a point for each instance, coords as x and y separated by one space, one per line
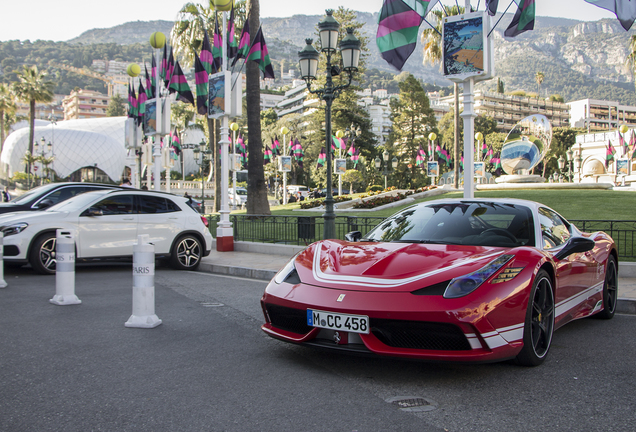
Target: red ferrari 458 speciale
472 280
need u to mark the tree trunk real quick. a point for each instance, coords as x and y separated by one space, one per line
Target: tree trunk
256 189
456 143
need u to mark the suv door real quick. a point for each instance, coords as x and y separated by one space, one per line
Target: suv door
113 232
161 219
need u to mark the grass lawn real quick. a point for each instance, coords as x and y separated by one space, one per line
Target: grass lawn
571 204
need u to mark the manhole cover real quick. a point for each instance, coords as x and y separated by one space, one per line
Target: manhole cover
413 403
211 304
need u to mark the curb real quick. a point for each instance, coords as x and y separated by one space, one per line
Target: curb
626 306
250 273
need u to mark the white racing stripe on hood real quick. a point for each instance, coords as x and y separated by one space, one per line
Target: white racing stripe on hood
376 282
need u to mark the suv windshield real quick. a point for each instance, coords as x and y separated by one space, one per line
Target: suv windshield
464 222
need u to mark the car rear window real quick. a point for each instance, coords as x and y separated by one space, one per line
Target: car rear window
154 204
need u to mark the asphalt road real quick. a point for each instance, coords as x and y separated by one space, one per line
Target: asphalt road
210 367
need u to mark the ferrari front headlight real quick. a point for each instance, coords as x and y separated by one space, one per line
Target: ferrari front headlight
14 229
464 285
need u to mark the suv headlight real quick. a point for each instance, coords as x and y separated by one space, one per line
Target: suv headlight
14 229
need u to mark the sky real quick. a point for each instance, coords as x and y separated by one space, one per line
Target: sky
62 20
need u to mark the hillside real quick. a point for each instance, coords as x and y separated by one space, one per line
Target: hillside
578 59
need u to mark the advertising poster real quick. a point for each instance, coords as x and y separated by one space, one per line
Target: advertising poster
480 169
622 167
150 118
433 168
217 85
340 166
284 163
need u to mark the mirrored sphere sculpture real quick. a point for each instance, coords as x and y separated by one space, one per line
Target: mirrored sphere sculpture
526 145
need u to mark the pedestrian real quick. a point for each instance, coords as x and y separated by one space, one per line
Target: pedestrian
5 195
300 196
292 199
126 183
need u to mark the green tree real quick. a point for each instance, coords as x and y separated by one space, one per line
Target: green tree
630 61
116 106
33 86
345 111
500 86
7 108
413 119
353 177
539 77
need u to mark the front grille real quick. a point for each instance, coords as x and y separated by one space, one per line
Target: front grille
284 318
419 335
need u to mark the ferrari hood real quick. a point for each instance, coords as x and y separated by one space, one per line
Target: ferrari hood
391 266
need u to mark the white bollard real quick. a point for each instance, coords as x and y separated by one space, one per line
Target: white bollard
3 283
65 269
143 301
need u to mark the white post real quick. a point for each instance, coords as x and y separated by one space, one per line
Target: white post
285 198
234 168
65 269
157 147
224 231
340 175
131 161
143 298
469 138
3 283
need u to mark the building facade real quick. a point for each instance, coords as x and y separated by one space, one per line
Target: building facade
598 115
508 110
85 104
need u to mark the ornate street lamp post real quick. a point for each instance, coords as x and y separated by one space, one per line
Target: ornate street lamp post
350 50
201 155
570 156
387 171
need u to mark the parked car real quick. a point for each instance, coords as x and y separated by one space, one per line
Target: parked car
47 195
241 196
293 189
449 280
107 223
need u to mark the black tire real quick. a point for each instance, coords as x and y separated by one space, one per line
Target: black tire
42 255
186 253
610 290
539 324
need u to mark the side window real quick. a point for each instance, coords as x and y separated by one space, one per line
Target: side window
153 204
115 205
172 207
553 229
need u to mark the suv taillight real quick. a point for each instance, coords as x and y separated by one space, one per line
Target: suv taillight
205 221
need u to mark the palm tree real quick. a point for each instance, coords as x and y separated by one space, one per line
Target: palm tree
432 42
33 86
630 61
539 77
7 106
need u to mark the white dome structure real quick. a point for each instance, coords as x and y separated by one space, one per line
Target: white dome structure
75 144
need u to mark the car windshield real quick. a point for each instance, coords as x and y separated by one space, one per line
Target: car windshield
78 202
462 223
241 192
28 196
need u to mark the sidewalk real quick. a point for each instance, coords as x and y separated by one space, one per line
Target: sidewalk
262 261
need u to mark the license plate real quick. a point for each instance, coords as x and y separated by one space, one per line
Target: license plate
338 321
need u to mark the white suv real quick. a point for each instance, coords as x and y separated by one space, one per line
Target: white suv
107 224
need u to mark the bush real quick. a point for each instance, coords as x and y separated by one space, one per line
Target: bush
374 188
307 204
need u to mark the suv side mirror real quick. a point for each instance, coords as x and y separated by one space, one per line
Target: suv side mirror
93 212
353 236
575 245
45 203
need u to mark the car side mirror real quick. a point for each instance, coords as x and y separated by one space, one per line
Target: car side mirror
575 245
93 212
353 236
45 203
